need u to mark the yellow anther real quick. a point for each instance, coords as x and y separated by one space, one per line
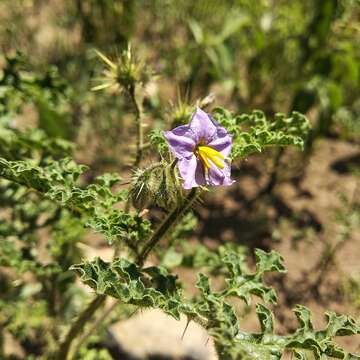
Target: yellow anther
210 151
202 157
206 153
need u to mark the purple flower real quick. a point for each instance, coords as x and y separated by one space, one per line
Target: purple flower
202 148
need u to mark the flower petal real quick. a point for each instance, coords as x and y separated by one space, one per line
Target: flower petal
203 126
221 142
192 172
218 176
181 141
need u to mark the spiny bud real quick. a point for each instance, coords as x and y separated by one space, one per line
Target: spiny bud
181 112
122 73
158 184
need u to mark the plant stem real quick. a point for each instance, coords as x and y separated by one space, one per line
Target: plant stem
140 146
139 125
139 134
78 325
100 319
170 220
95 326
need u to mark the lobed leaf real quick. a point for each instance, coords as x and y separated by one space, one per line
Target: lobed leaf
243 284
254 132
58 181
149 287
155 287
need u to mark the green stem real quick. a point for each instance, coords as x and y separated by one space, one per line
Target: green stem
139 141
95 326
139 125
88 312
168 222
78 326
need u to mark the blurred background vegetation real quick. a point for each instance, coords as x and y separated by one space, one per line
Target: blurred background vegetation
272 55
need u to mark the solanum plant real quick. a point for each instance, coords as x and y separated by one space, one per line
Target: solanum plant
43 190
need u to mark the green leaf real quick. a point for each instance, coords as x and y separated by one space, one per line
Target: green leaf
253 132
157 139
266 319
267 262
172 258
304 317
244 284
149 287
340 325
155 287
58 182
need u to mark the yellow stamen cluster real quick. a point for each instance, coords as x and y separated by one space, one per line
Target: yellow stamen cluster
206 153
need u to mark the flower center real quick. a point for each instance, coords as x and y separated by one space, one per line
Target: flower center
206 154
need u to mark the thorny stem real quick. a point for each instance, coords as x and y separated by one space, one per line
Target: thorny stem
87 313
97 323
78 325
101 318
139 125
140 146
168 222
107 311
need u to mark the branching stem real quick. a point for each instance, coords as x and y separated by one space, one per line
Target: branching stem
139 125
97 323
99 300
168 222
78 326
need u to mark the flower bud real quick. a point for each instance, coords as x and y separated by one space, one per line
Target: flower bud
125 72
156 185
